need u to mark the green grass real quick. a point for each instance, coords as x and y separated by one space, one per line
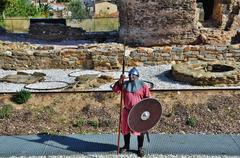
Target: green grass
80 122
6 111
192 121
94 124
22 96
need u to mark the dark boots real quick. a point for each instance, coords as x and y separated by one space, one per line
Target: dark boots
140 151
125 148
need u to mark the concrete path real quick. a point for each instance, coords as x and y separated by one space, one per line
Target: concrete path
105 144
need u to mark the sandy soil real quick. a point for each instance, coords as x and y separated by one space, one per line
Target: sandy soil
211 112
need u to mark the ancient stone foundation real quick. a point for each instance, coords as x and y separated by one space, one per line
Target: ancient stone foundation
207 73
107 56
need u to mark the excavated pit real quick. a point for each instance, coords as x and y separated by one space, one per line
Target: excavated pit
212 73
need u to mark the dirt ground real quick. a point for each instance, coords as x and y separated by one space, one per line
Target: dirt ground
211 112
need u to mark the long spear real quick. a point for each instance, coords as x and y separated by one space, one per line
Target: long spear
121 103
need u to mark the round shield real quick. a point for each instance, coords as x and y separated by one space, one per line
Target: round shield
144 115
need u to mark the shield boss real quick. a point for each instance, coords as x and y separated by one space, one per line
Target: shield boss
144 115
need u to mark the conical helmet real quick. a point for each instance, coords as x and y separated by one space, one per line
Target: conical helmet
133 71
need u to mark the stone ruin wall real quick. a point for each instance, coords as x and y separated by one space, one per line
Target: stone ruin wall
18 56
225 24
161 22
55 32
164 22
155 22
179 23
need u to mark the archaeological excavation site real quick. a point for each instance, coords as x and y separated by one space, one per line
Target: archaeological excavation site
187 50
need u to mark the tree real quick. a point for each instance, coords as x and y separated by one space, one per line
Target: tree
77 9
3 5
44 9
21 8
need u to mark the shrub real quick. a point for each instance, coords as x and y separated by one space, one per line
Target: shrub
79 123
5 111
94 124
82 122
77 9
22 96
3 5
24 8
191 121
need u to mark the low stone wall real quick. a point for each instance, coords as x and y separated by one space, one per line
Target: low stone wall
106 56
55 32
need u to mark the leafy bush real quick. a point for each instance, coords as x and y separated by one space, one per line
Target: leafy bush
3 5
45 10
192 121
5 111
77 9
22 96
24 8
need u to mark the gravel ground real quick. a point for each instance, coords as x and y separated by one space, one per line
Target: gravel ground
23 37
154 74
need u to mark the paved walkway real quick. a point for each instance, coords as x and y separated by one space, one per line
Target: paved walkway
105 144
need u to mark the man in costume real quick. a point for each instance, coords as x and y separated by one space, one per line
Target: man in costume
134 90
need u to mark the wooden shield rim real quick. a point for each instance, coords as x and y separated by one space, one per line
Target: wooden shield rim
141 104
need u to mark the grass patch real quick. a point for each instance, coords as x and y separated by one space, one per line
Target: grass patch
192 121
94 124
83 122
22 96
6 111
80 122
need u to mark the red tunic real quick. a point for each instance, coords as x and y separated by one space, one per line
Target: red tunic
132 94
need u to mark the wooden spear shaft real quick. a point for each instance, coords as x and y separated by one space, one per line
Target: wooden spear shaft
121 104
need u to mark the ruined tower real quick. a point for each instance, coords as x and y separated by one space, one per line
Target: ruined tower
167 22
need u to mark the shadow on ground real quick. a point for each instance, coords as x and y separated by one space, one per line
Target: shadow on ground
72 144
